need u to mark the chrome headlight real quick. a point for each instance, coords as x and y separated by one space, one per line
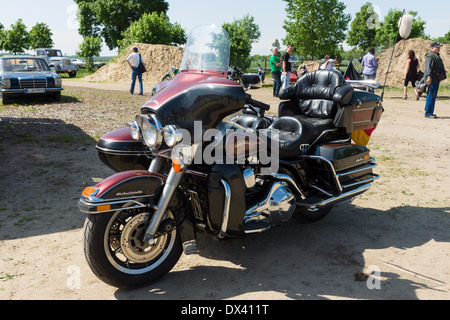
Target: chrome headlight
151 131
172 135
6 83
58 81
135 131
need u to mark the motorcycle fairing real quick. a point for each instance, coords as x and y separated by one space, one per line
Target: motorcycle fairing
210 98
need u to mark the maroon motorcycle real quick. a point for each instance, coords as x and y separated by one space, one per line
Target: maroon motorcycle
204 157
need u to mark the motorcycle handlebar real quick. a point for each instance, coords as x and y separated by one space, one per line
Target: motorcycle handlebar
255 103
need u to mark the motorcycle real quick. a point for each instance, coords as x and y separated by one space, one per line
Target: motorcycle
173 71
204 157
247 80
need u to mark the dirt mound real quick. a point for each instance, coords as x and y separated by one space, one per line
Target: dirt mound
310 66
397 69
158 60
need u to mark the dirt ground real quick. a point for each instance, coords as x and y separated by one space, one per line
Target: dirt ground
397 232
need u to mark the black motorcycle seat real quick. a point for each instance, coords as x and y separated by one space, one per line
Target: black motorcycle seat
252 121
296 134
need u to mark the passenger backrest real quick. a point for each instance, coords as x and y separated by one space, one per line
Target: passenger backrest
317 94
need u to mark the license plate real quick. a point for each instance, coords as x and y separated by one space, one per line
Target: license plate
35 90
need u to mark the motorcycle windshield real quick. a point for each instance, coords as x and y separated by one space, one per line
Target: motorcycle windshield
207 48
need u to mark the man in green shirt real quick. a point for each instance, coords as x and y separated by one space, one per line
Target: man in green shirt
275 68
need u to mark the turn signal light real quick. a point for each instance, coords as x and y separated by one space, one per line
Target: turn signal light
177 164
88 191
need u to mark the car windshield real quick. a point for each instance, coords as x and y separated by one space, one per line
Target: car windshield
54 53
207 48
23 65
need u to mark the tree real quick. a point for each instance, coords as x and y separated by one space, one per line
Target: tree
315 27
389 28
444 39
154 28
16 40
364 28
90 48
110 18
243 33
276 44
40 36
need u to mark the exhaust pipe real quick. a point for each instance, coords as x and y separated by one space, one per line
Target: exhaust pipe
334 200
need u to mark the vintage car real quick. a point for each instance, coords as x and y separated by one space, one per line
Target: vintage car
23 75
55 58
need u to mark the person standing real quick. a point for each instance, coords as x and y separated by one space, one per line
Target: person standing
370 64
412 65
275 68
434 73
133 60
286 68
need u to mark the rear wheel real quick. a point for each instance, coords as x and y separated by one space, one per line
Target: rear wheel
304 215
116 254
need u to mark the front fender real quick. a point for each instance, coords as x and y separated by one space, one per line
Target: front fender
136 189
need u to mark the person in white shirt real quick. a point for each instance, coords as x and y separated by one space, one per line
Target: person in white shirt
133 60
329 63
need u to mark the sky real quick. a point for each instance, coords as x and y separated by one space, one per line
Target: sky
60 16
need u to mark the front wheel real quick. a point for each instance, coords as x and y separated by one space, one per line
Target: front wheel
116 254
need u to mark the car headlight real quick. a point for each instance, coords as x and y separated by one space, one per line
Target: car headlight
6 83
151 131
172 135
58 82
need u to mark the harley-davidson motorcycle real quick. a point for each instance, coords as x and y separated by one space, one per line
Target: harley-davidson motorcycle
203 156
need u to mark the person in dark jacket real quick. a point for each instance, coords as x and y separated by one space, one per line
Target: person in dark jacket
434 73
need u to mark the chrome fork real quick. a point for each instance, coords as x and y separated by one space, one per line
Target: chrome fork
172 182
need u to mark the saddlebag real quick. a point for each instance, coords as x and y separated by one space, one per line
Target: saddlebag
361 113
121 153
341 167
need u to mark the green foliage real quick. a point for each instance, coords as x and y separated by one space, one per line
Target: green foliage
40 36
364 28
315 27
444 39
110 18
89 48
154 28
388 31
16 40
243 33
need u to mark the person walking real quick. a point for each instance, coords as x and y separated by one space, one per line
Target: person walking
275 68
434 73
370 64
134 59
286 68
412 65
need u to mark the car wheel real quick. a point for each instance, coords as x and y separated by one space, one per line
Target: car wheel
4 99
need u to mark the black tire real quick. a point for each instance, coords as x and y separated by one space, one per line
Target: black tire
305 216
4 99
72 74
106 251
57 97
